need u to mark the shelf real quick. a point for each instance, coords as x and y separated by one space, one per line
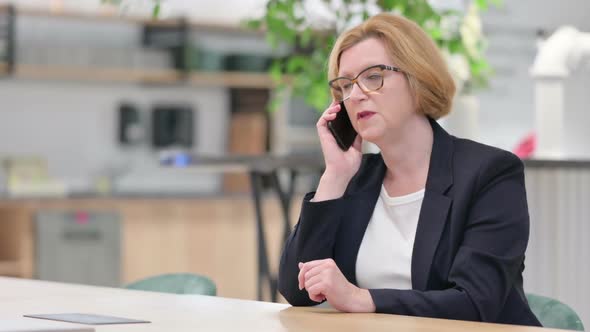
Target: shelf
91 74
116 17
161 76
148 76
232 79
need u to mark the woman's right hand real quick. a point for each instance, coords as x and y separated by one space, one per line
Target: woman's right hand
341 166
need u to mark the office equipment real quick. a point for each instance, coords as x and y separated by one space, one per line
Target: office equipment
172 126
78 246
131 130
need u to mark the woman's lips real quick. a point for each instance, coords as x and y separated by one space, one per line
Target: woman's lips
364 115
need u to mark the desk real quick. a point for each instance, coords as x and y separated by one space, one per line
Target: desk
258 167
169 312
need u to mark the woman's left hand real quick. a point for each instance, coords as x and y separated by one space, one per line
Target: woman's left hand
323 280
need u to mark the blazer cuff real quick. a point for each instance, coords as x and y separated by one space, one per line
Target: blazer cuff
384 300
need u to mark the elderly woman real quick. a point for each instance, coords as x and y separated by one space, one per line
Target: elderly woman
433 225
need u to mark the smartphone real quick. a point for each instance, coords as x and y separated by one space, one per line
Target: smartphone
342 129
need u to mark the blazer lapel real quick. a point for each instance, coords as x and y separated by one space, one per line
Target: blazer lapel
435 206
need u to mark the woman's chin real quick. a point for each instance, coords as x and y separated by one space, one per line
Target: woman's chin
370 136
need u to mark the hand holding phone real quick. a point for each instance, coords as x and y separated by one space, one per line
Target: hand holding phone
342 129
342 162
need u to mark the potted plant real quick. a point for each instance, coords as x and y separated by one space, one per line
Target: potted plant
309 29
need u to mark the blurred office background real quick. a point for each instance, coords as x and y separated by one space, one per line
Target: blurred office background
105 114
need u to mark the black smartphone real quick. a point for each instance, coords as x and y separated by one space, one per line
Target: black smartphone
342 129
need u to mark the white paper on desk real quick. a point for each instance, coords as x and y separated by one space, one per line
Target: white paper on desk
30 325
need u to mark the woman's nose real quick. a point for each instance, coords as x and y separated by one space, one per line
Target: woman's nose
357 93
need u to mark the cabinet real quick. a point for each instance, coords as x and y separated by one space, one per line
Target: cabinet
198 235
16 242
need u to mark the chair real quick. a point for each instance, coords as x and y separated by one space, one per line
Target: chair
554 314
176 283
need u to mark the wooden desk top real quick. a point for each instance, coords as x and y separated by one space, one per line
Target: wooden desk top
169 312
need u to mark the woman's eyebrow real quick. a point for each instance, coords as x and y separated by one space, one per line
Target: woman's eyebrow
345 74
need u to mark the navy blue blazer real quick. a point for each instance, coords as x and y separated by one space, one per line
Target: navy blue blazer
468 253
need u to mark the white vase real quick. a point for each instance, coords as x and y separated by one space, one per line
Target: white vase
463 121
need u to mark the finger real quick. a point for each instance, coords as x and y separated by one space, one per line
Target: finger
300 278
315 271
329 116
316 292
304 268
318 298
333 109
309 283
311 264
333 103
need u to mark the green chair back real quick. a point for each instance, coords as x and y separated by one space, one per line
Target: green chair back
176 283
554 314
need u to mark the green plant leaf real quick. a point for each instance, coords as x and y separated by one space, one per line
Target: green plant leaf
156 11
276 98
296 64
252 24
482 4
387 5
306 64
305 37
275 71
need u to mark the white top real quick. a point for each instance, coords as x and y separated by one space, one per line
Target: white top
385 255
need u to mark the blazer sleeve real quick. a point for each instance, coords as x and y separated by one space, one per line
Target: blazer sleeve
313 238
489 258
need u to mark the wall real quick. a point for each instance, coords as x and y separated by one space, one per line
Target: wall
507 110
74 126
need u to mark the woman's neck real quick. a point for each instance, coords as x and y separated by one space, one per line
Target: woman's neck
407 157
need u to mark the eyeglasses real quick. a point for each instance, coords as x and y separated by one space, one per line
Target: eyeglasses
369 80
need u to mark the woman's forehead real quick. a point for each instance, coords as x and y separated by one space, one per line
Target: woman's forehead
362 55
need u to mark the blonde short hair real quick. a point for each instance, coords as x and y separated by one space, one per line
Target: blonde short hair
413 51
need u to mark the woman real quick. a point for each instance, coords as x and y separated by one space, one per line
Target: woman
434 225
